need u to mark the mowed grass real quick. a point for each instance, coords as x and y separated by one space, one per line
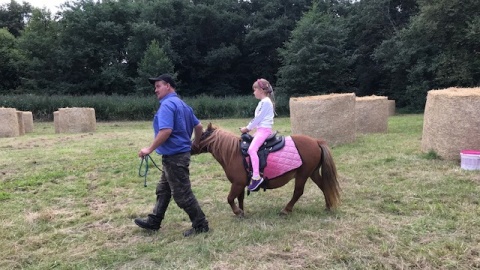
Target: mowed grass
68 202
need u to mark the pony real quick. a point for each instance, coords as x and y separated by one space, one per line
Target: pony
315 158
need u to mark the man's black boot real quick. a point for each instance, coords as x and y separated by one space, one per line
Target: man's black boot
150 223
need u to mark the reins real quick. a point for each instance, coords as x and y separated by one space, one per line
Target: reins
146 157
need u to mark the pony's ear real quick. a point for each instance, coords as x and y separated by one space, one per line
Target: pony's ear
209 127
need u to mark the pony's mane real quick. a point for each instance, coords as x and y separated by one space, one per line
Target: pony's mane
224 145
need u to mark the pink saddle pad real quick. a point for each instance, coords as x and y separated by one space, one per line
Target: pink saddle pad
283 160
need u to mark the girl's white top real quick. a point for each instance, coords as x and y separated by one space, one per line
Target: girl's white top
263 115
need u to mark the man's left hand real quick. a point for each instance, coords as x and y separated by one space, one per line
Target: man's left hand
144 151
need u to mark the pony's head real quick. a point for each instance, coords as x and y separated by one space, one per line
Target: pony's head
222 144
205 140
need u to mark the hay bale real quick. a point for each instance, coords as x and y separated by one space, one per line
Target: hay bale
21 126
56 122
371 114
75 120
9 123
28 122
451 121
329 117
391 107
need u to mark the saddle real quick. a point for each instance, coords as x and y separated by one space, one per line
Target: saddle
273 143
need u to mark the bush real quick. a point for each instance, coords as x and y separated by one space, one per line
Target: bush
107 108
119 108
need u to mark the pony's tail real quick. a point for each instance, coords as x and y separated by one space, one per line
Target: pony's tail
330 186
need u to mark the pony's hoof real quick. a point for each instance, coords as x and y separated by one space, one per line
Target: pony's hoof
239 214
284 213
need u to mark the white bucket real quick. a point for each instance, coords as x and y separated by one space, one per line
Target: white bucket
470 159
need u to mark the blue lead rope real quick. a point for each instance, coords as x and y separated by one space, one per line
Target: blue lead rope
144 175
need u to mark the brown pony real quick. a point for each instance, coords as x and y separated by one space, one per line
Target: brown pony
315 154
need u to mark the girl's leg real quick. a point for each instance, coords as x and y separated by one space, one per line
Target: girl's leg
258 140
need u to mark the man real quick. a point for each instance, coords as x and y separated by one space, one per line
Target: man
173 125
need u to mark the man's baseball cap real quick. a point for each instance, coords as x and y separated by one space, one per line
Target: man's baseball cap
164 77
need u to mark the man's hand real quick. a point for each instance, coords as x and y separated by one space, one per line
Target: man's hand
144 151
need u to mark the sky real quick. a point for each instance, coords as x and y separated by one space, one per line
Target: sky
52 5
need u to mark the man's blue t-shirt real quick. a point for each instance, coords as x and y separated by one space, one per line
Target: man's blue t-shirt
174 114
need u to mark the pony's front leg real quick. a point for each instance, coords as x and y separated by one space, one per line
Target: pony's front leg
236 191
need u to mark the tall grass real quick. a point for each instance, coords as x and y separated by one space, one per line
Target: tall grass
67 202
122 108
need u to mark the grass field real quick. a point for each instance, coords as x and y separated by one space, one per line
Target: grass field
68 202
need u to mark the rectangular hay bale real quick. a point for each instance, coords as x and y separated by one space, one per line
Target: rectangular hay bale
9 123
76 120
329 117
28 122
451 121
391 107
21 126
371 114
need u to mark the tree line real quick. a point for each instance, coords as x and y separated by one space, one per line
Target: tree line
395 48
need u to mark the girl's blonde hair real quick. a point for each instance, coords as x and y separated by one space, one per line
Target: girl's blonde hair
267 88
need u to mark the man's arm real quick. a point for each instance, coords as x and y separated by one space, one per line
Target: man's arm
161 137
198 131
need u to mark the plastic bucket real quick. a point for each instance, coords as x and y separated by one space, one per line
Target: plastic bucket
470 159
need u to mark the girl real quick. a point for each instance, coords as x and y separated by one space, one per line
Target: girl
263 121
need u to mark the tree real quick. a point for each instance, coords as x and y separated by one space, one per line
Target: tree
39 45
94 39
143 34
439 49
314 59
14 16
270 23
205 41
154 63
222 46
9 62
370 23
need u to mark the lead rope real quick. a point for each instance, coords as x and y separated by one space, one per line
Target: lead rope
144 175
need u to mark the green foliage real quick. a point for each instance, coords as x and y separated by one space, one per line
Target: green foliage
435 51
314 59
270 25
9 59
121 108
106 107
207 40
40 50
14 16
369 23
5 196
92 44
396 48
208 107
431 155
153 63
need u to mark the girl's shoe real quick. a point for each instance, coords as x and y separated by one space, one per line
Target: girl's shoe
255 184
